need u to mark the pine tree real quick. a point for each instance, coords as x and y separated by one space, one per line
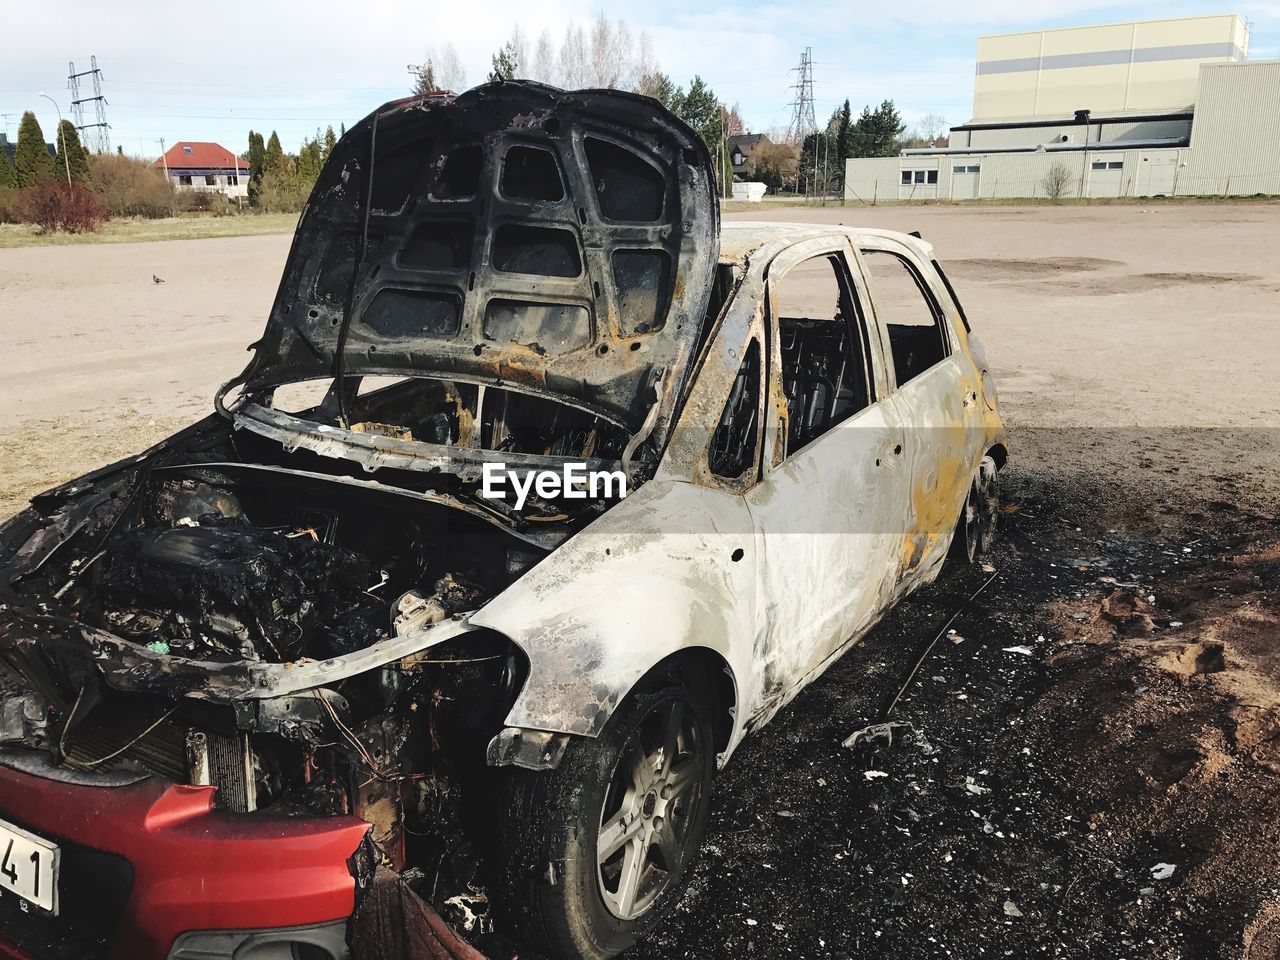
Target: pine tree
275 160
8 176
330 141
77 158
426 80
505 63
32 159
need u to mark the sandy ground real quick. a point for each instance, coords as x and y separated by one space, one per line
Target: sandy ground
1108 705
1094 319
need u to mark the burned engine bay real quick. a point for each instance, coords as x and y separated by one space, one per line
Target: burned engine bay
274 624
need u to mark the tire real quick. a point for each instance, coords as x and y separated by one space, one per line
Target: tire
629 787
980 516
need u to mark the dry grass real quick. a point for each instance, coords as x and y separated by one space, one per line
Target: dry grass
169 228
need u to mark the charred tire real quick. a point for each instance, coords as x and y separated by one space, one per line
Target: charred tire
980 516
571 880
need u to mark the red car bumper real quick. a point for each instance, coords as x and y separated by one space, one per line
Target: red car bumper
192 867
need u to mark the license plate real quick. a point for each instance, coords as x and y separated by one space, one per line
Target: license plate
28 867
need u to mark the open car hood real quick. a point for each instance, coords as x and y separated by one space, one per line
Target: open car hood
559 242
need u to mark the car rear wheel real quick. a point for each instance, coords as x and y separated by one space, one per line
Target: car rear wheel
976 530
596 850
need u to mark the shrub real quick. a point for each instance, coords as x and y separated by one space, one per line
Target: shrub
281 192
8 204
129 187
55 206
204 201
1056 180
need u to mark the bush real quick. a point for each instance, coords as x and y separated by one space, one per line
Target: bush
1056 180
132 188
204 201
8 204
55 206
280 192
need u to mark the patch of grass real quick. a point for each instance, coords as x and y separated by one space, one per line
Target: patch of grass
169 228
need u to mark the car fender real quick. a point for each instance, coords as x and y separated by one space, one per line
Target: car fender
669 568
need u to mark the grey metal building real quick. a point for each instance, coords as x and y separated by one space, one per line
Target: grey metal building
1215 134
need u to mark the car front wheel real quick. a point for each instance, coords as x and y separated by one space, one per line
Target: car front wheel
596 850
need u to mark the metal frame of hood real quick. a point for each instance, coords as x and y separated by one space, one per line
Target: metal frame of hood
641 335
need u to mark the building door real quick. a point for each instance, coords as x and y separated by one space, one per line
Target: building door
1157 175
964 181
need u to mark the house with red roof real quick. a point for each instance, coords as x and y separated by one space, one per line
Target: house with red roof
205 166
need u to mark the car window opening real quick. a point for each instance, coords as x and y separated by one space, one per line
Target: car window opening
824 350
909 313
733 445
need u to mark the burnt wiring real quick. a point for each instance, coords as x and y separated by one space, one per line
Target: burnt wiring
932 643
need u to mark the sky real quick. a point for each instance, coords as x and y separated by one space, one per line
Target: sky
212 72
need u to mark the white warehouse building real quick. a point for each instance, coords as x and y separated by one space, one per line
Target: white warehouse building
1150 108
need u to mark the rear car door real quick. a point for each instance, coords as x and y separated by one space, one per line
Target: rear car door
833 493
935 394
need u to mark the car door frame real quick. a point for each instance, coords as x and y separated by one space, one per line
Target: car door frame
884 462
938 407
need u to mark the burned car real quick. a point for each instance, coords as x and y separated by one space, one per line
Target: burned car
304 642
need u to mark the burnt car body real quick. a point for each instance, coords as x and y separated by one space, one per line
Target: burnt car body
293 643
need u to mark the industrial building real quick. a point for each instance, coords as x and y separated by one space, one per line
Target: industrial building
1149 108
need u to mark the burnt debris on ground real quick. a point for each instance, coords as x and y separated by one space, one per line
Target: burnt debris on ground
1076 774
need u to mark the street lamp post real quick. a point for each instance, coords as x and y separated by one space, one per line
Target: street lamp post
66 163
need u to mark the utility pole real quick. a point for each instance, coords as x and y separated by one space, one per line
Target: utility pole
164 158
101 136
5 117
66 162
803 124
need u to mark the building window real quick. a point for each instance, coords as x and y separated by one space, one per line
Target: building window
210 180
1107 165
233 180
906 177
186 149
184 179
932 176
971 168
1115 165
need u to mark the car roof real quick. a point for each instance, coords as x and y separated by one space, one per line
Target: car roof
742 240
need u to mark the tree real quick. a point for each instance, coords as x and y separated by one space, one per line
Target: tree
544 59
1056 180
8 176
932 128
505 64
449 74
774 164
425 79
659 86
32 159
330 142
77 158
257 164
877 133
573 58
274 161
310 161
734 125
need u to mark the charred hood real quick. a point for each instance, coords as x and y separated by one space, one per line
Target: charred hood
562 243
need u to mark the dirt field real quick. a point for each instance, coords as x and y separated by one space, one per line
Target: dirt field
1107 708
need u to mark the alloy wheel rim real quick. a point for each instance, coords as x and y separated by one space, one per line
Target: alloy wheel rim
650 807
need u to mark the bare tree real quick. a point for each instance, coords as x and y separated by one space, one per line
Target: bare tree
518 47
1056 180
544 60
574 69
932 127
449 72
609 52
